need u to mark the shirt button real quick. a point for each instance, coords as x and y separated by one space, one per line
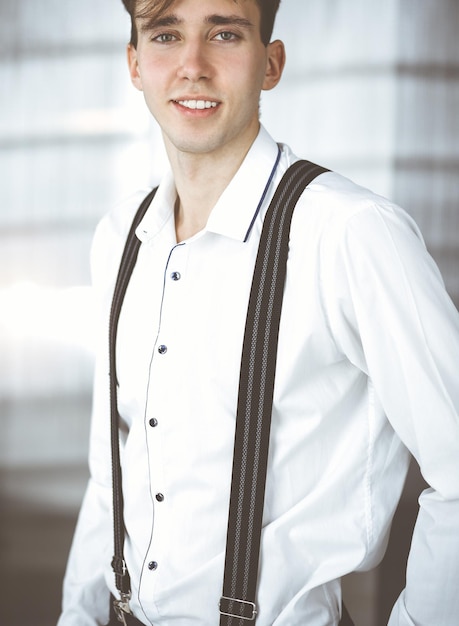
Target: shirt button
152 565
176 276
159 497
162 349
153 422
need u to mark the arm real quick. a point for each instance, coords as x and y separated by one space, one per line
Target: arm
396 322
86 594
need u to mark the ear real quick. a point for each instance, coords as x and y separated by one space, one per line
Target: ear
274 64
134 67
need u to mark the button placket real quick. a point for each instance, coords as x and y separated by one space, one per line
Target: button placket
175 275
157 406
159 497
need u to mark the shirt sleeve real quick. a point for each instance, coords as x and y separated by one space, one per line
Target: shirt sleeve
86 592
393 319
86 596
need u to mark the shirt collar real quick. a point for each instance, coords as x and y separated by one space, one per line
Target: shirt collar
236 210
160 213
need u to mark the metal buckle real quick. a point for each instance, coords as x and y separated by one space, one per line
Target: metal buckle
122 608
119 566
252 605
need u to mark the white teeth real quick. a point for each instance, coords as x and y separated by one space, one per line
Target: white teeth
198 104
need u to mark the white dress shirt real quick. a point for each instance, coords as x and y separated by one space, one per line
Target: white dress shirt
367 370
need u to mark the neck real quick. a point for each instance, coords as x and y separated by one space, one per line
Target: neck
200 180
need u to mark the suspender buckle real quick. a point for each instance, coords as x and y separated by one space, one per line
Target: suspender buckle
240 609
122 608
119 566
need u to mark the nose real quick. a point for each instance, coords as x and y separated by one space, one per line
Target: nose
194 62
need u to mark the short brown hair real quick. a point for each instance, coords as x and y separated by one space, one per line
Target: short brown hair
141 8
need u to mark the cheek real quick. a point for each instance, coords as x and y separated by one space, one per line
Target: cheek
239 75
254 71
152 73
253 80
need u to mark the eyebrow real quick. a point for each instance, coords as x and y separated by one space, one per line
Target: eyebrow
215 20
228 20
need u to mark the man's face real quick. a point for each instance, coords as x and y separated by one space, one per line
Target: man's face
201 65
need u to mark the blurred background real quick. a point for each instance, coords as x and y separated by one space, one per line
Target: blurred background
371 90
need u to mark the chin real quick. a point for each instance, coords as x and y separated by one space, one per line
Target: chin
196 145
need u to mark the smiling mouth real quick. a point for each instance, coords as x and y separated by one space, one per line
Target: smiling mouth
197 104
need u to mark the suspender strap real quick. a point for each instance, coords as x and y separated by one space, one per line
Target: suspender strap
256 386
128 260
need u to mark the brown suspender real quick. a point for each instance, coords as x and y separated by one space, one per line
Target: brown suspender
128 260
256 386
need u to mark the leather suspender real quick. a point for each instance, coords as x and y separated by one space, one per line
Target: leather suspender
256 385
128 260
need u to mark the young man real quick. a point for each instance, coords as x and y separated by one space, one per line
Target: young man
366 368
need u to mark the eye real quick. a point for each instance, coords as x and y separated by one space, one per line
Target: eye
226 35
164 38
